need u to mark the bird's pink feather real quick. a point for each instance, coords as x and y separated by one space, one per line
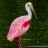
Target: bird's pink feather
18 27
26 23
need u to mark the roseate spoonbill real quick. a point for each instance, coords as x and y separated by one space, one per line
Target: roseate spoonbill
21 24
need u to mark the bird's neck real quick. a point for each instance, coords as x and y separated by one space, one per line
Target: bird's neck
29 12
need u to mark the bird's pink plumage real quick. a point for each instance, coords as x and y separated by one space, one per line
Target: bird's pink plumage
18 27
26 23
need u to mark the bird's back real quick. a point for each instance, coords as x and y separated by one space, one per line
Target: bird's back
17 27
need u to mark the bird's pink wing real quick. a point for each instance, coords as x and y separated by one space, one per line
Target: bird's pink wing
18 27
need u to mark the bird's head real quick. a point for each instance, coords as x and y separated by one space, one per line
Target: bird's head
29 4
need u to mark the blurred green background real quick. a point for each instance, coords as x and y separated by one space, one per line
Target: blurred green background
37 35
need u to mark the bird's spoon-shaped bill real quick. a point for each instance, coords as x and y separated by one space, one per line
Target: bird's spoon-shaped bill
31 6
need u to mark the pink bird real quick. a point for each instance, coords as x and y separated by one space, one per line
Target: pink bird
20 25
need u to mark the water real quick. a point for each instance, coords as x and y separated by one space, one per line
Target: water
37 35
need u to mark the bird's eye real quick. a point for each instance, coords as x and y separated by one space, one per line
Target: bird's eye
28 4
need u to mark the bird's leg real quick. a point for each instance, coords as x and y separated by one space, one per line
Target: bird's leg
19 45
